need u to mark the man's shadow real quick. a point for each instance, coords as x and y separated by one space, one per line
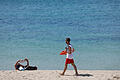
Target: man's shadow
84 75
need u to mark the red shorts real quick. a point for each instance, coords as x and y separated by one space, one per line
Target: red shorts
69 61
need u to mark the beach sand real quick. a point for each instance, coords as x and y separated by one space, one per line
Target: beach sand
54 75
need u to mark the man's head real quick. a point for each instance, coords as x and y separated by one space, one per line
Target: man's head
67 40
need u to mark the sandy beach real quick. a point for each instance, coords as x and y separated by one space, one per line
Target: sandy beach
54 75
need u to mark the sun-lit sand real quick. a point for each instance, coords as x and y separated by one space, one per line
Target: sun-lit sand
55 75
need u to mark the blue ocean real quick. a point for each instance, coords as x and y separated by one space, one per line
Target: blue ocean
37 29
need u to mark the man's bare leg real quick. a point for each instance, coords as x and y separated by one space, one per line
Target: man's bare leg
65 68
75 69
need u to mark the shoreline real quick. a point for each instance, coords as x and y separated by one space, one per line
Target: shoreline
55 75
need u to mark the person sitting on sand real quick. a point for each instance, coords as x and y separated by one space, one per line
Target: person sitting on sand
20 67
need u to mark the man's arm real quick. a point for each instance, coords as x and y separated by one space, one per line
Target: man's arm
70 50
27 61
73 49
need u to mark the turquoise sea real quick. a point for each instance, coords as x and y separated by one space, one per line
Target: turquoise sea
37 29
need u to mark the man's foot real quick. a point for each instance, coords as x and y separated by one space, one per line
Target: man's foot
76 74
62 74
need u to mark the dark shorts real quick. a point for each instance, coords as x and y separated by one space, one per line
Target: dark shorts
31 68
69 61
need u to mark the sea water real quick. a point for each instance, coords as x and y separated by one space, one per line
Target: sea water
36 29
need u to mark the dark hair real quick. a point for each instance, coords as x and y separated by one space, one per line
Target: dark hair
68 39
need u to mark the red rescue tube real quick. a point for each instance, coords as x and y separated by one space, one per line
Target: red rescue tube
63 53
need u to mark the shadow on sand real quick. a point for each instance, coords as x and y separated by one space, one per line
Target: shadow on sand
84 75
